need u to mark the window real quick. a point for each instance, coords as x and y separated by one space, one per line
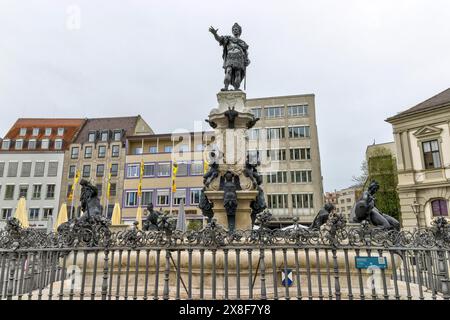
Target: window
50 191
431 154
439 207
72 170
74 153
39 168
2 168
26 169
301 176
104 136
36 191
168 149
48 212
101 151
179 197
199 147
300 154
23 132
131 199
100 170
349 200
60 132
32 144
35 132
275 133
149 170
195 196
23 191
297 111
302 201
9 192
58 144
277 201
153 149
91 136
45 143
112 189
133 170
277 177
114 169
19 144
34 213
117 135
253 134
256 112
299 132
52 169
196 168
115 151
6 213
86 171
163 169
138 150
99 187
6 144
182 169
274 112
87 152
276 154
162 198
69 191
48 131
253 156
147 198
12 168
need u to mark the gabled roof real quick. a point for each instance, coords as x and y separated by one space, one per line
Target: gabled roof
438 101
71 127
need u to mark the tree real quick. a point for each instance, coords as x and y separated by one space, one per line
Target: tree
360 181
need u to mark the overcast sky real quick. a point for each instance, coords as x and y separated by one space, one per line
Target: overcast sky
364 60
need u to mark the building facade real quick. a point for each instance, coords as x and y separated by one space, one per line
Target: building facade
422 142
31 166
287 143
346 199
98 150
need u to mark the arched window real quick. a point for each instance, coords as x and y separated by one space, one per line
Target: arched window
439 207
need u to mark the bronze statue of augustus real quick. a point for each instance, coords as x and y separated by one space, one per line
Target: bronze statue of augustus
235 56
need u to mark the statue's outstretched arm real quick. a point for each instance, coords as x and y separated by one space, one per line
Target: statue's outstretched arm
216 36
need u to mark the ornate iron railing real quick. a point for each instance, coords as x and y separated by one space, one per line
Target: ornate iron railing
91 261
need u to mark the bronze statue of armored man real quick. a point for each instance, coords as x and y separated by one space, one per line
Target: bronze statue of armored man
235 56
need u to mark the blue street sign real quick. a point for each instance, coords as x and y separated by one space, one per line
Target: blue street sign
366 262
289 278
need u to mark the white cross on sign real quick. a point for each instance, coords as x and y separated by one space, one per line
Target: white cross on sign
289 277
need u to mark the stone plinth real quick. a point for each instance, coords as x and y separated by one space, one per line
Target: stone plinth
243 211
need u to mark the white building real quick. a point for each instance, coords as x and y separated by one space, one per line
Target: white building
31 166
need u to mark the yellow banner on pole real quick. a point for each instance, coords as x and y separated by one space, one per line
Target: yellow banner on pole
174 175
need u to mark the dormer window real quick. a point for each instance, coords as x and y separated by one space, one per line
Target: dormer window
45 143
91 136
48 131
58 144
32 144
19 144
35 132
6 144
60 132
117 135
23 131
104 136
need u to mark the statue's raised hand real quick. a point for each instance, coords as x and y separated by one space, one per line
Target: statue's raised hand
212 30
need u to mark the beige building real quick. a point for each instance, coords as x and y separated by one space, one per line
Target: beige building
422 141
346 199
288 145
158 152
99 148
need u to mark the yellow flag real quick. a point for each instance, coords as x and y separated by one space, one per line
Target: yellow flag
205 166
174 175
140 178
77 178
108 189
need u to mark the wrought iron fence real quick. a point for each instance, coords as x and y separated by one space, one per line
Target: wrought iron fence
94 263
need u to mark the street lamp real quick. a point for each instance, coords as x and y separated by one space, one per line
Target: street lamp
416 209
